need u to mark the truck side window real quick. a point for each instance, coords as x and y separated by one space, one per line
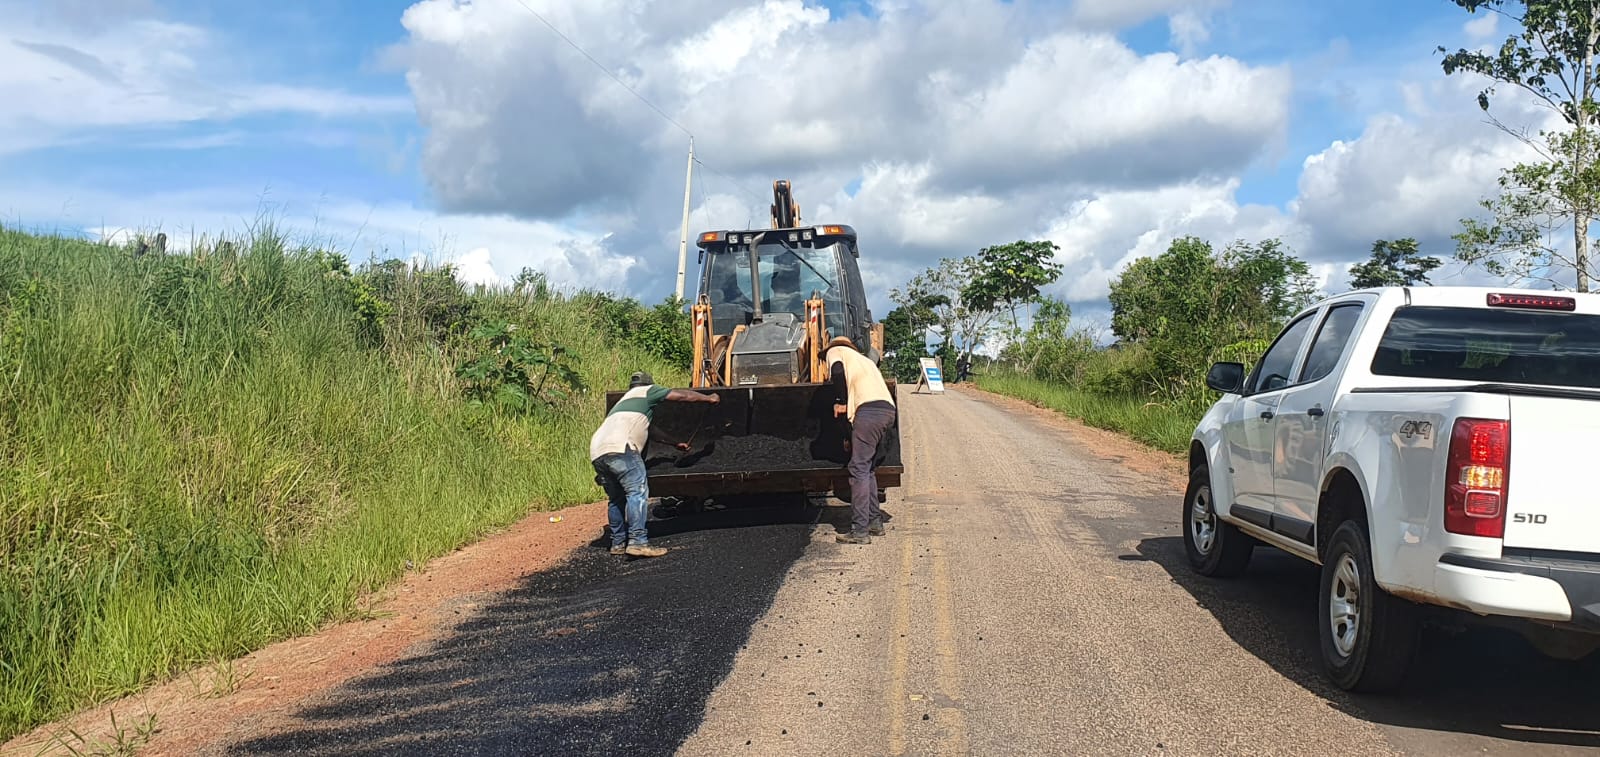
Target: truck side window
1330 342
1277 365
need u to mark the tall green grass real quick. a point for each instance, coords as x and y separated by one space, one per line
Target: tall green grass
1166 425
203 453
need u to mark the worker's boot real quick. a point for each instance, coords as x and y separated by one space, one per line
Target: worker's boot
619 549
645 550
854 538
876 527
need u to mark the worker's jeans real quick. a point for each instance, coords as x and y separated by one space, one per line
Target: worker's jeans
873 420
622 475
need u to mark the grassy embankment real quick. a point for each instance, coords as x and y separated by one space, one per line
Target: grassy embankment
200 454
1164 425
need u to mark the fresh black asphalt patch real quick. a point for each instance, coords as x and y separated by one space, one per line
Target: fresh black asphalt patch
599 655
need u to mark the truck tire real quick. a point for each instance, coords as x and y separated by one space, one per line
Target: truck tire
1369 636
1216 548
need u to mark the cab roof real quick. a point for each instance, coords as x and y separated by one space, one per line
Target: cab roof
805 233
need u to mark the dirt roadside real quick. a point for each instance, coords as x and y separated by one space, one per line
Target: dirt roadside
213 704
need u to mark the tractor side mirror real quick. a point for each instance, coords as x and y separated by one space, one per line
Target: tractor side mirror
1227 378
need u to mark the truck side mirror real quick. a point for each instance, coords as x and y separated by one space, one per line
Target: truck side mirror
1227 378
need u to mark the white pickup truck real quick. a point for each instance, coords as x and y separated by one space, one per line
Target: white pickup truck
1425 446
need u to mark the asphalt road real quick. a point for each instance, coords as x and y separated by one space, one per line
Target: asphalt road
1031 597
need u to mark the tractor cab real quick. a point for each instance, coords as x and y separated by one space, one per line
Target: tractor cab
750 278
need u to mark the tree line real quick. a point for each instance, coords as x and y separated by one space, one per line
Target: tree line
1172 314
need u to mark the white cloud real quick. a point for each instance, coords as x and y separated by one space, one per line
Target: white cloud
1482 27
742 37
477 267
61 83
1189 29
1134 120
1409 175
1101 235
990 96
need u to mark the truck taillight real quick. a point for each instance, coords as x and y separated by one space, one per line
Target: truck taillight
1475 477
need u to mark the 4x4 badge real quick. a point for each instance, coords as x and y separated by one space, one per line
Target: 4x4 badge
1423 429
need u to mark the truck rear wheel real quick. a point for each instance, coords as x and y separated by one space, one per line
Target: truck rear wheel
1368 635
1215 547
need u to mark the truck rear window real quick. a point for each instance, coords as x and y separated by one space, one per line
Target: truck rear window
1492 346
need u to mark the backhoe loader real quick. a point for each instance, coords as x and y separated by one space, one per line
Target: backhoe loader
769 302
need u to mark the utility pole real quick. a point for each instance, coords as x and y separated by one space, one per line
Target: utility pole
683 238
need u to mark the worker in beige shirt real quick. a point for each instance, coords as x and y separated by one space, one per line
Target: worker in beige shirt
862 397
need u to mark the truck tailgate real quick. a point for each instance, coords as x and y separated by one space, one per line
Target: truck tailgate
1553 501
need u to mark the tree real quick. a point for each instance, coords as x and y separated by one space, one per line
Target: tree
1552 58
1264 284
940 292
1050 349
533 284
1152 294
1537 202
903 344
1013 274
1393 263
1189 302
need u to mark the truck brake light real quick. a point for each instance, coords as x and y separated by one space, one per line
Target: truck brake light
1532 301
1475 477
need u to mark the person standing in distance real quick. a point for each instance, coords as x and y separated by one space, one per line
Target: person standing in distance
862 397
617 452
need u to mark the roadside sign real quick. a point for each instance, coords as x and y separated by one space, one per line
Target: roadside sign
932 375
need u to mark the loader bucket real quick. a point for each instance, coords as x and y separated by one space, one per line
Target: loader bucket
759 439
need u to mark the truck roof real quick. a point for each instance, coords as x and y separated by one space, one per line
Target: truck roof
1477 296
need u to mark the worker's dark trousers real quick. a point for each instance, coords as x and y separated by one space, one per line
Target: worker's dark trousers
873 420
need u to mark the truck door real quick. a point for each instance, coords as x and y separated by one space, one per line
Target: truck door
1249 428
1300 426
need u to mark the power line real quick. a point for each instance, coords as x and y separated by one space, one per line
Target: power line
705 201
730 179
606 71
734 182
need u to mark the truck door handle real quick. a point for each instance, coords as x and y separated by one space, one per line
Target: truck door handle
1315 412
1266 415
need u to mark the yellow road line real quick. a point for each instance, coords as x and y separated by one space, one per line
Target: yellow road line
953 721
900 652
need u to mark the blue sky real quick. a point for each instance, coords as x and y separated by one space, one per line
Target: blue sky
323 45
468 132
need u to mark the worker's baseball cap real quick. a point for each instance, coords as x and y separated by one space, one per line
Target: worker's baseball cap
640 378
841 341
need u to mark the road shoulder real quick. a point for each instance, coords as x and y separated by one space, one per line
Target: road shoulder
217 704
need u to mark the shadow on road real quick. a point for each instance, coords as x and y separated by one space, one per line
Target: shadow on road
1486 681
599 655
748 513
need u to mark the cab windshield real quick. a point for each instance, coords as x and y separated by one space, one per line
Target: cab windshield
789 275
